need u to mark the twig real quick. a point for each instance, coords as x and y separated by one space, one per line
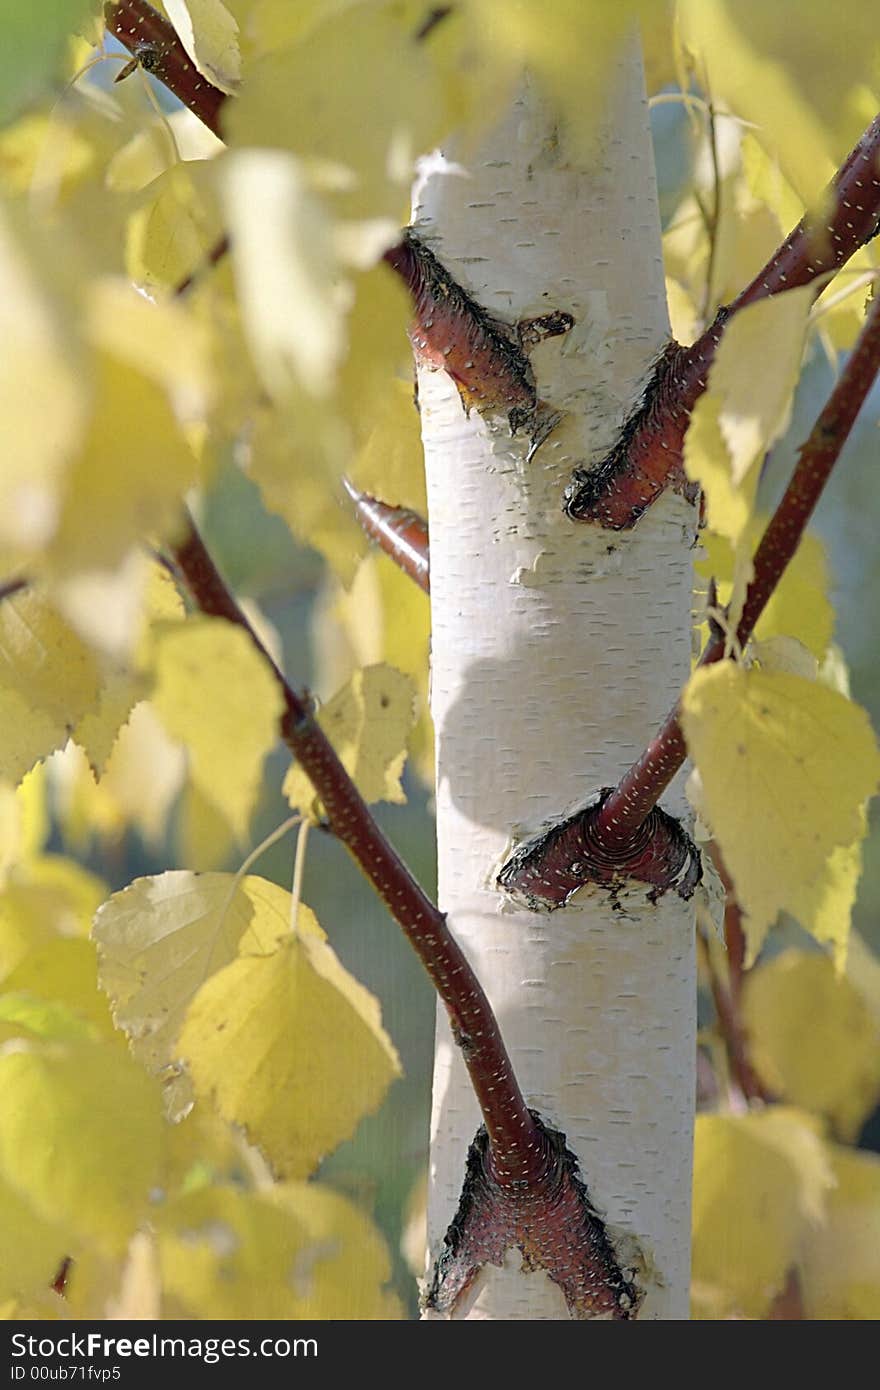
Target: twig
518 1150
153 42
727 1001
638 791
401 533
647 457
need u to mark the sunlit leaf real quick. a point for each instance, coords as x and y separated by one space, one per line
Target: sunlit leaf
217 695
209 33
68 1113
284 1253
161 938
786 765
287 1019
839 1266
49 680
760 1185
831 1066
368 722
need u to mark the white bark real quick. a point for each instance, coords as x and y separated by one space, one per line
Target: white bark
557 650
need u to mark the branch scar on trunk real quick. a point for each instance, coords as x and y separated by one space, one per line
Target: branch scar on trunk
547 869
486 358
553 1225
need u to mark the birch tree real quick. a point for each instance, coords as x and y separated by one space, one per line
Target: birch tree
580 461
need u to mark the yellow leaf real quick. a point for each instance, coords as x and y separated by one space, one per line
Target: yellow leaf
297 457
24 820
32 1247
65 971
683 317
209 33
839 1266
23 1016
786 765
170 235
138 785
292 303
46 897
863 972
202 1150
98 731
161 938
131 475
80 1137
205 838
150 151
760 1184
368 722
707 462
754 375
43 399
48 681
309 97
384 617
778 65
217 695
283 1253
824 905
759 87
286 1019
813 1038
799 606
165 341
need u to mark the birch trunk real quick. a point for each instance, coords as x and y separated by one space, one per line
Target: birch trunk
557 650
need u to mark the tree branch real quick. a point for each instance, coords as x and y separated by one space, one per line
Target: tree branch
647 457
401 533
727 998
153 42
518 1151
622 813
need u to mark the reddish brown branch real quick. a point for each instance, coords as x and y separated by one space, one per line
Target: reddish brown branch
153 42
401 533
552 1223
727 997
639 790
519 1154
647 457
487 359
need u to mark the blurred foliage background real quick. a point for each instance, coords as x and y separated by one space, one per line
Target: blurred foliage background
383 1166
